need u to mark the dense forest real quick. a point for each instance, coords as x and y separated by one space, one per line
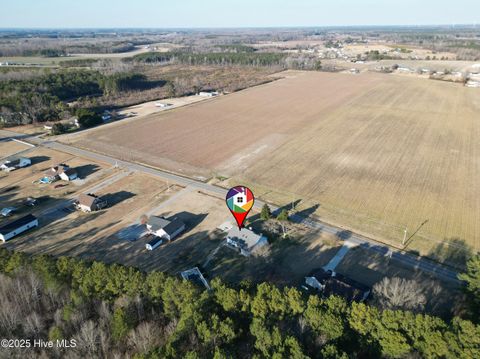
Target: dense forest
43 98
115 311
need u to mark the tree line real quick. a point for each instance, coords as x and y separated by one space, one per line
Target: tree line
213 58
232 58
112 310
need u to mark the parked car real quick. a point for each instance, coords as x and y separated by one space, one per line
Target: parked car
7 211
30 202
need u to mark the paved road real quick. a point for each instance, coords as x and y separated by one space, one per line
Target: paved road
410 260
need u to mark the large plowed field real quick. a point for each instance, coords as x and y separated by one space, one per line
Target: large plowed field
374 152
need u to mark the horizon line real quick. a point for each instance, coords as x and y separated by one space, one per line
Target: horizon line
236 27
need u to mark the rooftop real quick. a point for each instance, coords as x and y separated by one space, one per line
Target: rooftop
87 199
246 236
13 225
195 275
157 222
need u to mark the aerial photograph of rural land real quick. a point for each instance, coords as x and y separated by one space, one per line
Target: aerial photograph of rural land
240 179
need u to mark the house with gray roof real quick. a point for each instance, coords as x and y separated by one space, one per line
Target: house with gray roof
245 240
165 228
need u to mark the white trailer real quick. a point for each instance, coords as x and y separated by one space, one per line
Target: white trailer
12 165
18 226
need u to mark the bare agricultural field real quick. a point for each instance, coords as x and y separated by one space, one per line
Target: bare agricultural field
375 153
204 137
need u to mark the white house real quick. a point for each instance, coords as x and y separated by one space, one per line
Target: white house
14 228
163 104
68 174
164 228
245 240
208 93
61 171
12 165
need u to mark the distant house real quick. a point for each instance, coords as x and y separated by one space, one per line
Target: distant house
163 104
14 228
61 171
208 93
12 165
471 83
196 276
165 228
331 283
245 240
89 203
404 69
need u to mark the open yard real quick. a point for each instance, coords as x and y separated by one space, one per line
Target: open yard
10 148
375 153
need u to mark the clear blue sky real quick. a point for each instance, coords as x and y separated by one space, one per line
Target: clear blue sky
238 13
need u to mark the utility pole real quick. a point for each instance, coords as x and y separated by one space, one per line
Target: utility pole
404 236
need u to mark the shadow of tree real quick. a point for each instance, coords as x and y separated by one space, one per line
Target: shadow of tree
117 197
86 170
39 159
454 252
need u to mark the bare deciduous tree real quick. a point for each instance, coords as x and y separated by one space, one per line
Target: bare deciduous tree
88 339
399 293
144 337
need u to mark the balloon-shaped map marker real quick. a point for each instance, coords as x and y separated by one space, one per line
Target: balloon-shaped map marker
240 201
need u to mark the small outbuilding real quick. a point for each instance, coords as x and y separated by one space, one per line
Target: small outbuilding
18 226
245 240
196 276
12 165
154 243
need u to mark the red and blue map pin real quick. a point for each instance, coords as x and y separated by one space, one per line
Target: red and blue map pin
240 201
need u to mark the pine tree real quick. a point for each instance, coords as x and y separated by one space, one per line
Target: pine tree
283 215
266 213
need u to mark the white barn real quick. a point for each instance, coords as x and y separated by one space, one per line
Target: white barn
18 226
